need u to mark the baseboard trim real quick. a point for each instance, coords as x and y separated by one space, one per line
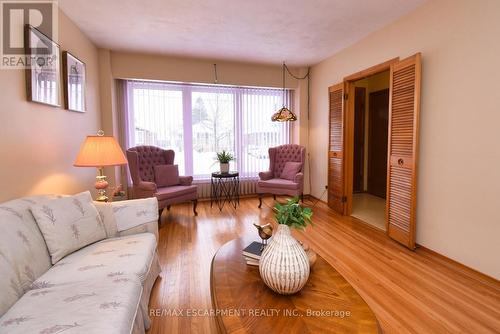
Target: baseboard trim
465 268
311 197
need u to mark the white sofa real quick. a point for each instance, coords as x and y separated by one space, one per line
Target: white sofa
101 288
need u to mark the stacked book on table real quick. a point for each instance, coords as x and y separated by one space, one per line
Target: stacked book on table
252 253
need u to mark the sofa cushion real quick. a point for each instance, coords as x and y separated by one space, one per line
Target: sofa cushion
111 258
11 289
279 184
176 191
166 175
135 215
100 305
22 247
290 170
68 224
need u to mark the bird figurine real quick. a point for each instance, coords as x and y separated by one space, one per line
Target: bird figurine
265 232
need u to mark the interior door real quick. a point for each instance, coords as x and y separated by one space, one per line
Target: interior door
336 196
378 126
359 139
404 109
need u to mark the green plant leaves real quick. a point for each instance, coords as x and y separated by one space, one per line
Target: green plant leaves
224 157
292 214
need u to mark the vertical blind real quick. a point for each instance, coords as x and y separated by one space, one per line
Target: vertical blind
197 121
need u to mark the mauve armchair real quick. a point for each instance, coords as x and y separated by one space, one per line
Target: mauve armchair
281 181
142 161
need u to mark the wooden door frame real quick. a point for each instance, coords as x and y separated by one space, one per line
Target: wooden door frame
349 88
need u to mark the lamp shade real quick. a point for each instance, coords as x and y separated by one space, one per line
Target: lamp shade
284 115
100 151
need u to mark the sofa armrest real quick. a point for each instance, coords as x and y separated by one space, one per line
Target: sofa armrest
266 175
299 178
123 216
151 227
185 180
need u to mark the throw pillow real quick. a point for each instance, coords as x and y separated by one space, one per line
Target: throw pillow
68 224
290 170
166 175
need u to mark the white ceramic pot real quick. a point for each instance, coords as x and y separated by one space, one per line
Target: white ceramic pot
284 266
224 167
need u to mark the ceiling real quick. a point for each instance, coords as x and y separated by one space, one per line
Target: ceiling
261 31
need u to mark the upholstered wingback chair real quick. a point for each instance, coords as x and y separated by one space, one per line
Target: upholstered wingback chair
142 161
283 178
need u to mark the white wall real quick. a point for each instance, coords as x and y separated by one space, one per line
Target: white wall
39 143
459 183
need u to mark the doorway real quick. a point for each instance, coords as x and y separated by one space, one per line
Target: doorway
371 121
402 146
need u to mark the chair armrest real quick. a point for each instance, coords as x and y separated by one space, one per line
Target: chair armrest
120 217
299 178
145 189
185 180
151 227
147 186
266 175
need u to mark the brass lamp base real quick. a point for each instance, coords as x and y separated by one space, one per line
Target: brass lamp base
101 184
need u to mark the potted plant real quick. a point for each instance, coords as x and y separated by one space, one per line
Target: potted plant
284 265
224 158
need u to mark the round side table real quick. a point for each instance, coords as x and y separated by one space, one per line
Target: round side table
225 187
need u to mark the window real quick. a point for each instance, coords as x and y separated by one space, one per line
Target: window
196 121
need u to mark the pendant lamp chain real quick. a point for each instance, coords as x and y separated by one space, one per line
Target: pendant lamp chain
283 71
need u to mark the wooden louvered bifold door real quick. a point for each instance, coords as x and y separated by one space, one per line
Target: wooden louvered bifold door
403 150
336 149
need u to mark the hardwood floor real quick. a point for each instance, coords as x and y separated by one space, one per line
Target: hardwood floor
410 292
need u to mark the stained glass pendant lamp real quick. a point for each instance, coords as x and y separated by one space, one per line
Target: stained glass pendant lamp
284 114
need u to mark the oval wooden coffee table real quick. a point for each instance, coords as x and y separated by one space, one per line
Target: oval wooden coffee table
244 304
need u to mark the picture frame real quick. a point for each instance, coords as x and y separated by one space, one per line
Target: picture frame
43 75
74 81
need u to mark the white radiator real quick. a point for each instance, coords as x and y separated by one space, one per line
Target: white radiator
247 187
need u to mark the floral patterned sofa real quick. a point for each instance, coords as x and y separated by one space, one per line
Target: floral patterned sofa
101 288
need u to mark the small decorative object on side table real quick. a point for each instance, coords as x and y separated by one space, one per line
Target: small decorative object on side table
225 188
119 194
284 265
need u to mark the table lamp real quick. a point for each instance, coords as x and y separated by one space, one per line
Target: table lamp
100 151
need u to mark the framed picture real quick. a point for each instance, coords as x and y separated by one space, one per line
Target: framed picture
74 82
43 76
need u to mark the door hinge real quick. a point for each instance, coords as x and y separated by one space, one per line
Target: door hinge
344 199
346 96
